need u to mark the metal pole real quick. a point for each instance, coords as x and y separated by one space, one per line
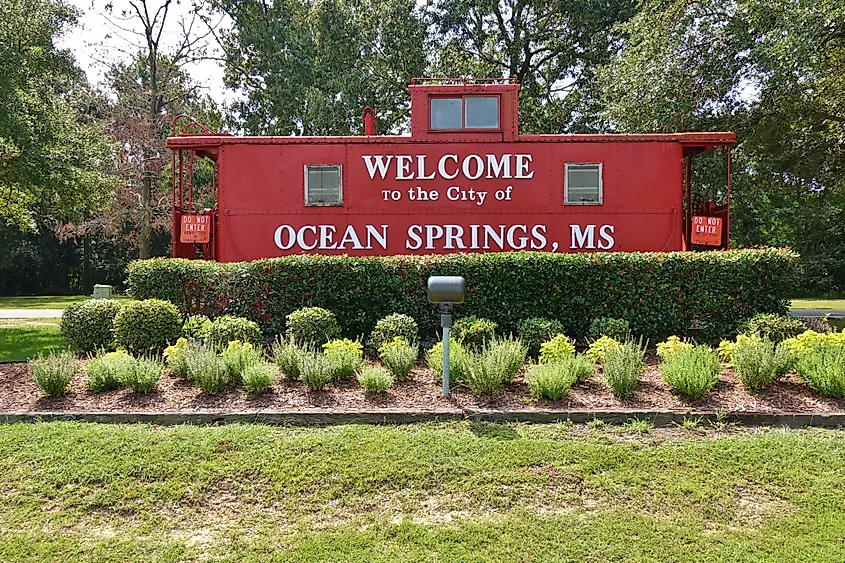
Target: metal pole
446 323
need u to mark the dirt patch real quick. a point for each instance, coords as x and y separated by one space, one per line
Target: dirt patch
422 391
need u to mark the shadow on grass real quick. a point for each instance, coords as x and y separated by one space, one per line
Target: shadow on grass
493 431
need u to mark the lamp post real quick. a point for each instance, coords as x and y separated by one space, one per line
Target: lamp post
446 292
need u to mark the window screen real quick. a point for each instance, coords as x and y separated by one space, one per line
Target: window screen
482 113
322 185
446 113
583 184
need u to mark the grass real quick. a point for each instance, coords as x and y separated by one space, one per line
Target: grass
818 304
23 339
464 491
47 301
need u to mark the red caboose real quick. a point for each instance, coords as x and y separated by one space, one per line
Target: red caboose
464 180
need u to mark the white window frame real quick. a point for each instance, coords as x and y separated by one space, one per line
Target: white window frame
340 185
566 183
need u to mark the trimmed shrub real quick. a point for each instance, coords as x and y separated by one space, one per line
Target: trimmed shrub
196 326
399 356
106 372
208 370
558 348
597 352
617 329
176 358
147 326
143 374
227 328
473 333
312 325
54 372
316 370
823 368
534 331
391 327
776 328
287 354
699 294
239 356
458 360
87 326
554 379
691 372
375 379
672 345
622 366
346 357
259 377
759 361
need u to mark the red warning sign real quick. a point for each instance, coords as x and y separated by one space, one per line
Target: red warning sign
196 228
707 230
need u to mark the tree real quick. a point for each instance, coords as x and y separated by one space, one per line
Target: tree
53 158
309 68
551 47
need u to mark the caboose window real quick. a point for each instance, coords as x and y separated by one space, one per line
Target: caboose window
482 113
323 185
583 184
471 112
445 113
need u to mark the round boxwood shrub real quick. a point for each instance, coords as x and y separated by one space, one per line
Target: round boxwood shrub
147 326
227 328
87 326
392 326
533 332
474 333
617 329
312 325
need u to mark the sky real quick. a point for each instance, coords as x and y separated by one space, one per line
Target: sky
96 39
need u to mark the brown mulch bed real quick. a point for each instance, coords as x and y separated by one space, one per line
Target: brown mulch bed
422 391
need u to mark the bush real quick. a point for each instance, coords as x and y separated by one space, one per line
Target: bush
533 332
474 333
823 368
287 354
597 352
458 360
346 357
227 328
147 326
259 377
701 294
196 326
239 356
399 356
208 370
143 374
107 371
691 371
554 379
391 327
558 348
759 361
817 324
622 365
312 325
316 370
808 340
617 329
508 355
54 372
375 379
87 326
776 328
672 345
176 358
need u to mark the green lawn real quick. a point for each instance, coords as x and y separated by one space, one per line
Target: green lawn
46 301
22 339
433 492
818 303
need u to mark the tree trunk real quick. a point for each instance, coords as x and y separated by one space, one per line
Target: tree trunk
87 285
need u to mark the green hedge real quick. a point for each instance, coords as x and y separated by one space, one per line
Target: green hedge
700 294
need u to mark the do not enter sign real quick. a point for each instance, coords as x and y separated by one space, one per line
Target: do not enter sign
707 230
196 228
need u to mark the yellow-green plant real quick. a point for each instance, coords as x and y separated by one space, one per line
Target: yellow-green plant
239 356
672 345
399 356
105 372
556 349
176 358
345 355
808 340
597 352
727 348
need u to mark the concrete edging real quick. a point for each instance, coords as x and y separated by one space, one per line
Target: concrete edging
401 416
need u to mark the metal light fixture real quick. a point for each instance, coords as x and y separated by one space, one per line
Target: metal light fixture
446 292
